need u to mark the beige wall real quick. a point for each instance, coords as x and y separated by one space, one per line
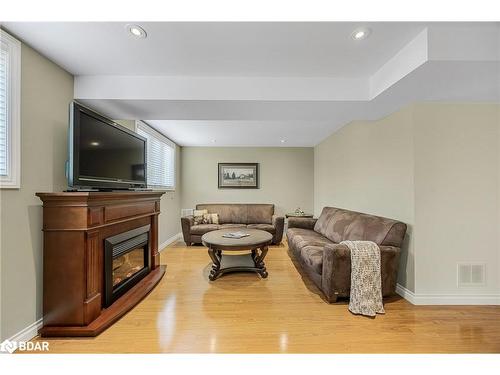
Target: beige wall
170 217
368 167
286 176
456 194
46 91
434 166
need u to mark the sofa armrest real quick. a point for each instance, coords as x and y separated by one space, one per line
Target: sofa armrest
302 222
389 265
336 273
186 223
279 225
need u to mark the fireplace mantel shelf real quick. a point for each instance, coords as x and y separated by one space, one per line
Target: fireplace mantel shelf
75 226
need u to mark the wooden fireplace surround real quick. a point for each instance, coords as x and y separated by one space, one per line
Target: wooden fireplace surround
75 225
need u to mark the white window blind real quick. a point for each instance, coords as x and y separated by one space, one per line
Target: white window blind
10 125
4 69
160 158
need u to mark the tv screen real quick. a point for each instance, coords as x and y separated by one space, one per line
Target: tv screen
103 153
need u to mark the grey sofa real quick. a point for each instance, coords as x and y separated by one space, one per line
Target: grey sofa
235 215
314 243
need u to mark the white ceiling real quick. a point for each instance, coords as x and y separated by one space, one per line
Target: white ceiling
302 123
217 48
255 84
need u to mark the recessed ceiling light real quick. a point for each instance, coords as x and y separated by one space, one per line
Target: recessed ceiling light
282 141
94 143
136 31
360 34
213 140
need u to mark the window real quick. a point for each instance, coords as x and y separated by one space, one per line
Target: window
10 141
160 157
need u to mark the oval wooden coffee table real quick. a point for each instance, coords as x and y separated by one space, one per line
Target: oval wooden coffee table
256 243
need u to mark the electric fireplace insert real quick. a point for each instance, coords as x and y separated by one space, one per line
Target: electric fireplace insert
126 261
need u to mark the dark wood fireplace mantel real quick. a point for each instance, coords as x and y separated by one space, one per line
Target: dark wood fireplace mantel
75 226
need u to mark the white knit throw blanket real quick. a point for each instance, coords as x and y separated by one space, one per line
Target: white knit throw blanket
366 281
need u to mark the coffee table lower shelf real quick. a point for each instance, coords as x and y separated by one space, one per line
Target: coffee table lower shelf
223 263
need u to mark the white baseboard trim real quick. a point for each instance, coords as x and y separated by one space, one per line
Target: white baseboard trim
405 293
174 238
26 334
447 299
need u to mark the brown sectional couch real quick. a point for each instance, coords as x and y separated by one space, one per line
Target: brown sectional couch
315 244
232 215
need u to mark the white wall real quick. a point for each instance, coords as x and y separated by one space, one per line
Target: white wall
434 166
286 176
456 194
46 91
368 167
169 223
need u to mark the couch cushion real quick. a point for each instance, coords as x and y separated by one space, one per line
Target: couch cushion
339 225
229 226
324 219
313 257
300 237
267 227
228 213
260 213
203 228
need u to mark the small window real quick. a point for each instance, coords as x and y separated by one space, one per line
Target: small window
10 125
160 157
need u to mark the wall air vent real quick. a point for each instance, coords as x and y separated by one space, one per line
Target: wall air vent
471 274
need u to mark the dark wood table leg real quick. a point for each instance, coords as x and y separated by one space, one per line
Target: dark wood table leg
259 262
215 255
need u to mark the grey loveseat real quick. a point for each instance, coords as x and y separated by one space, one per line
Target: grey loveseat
235 215
315 244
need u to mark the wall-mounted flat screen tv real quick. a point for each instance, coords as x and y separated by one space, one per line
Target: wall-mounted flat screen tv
102 153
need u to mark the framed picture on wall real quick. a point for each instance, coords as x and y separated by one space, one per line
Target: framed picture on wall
238 175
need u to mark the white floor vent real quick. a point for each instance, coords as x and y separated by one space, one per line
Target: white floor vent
186 212
471 274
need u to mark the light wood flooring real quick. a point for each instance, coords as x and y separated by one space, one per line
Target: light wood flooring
242 313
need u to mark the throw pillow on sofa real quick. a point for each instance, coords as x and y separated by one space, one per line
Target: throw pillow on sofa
198 216
203 217
214 218
211 219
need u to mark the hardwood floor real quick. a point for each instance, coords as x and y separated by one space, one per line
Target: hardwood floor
242 313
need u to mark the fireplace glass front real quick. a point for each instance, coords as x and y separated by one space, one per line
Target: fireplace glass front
126 262
127 265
